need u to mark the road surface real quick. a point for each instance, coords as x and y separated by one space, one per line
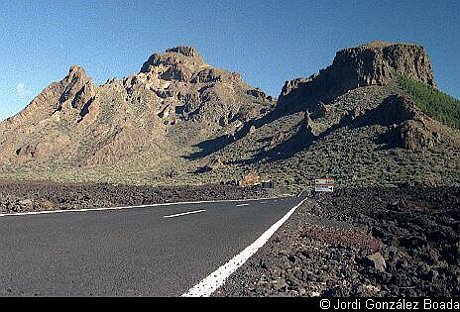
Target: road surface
148 251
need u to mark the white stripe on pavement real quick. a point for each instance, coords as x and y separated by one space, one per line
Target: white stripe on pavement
131 207
241 205
184 213
216 279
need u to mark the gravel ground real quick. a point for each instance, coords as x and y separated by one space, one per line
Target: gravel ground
361 242
38 196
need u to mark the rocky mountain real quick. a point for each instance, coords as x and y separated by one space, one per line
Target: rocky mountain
357 122
24 137
182 121
375 63
74 123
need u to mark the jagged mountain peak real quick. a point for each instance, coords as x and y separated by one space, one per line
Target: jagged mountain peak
184 64
374 63
76 73
78 87
181 56
185 50
77 69
177 100
180 114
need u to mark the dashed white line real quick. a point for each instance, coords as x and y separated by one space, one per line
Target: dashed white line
128 207
185 213
216 279
241 205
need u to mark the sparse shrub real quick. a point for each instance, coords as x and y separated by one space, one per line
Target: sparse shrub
434 103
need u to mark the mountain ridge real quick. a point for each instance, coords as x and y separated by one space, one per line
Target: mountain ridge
374 63
179 114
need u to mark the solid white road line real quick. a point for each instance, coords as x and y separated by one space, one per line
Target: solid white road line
131 207
216 279
184 213
241 205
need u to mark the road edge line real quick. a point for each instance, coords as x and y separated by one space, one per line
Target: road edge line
216 279
132 207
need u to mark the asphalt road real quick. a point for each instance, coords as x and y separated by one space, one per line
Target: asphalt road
152 251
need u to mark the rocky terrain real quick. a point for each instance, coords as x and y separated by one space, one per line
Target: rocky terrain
181 129
376 63
39 196
182 121
361 242
372 135
174 102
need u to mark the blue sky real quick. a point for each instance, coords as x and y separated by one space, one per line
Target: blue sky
268 42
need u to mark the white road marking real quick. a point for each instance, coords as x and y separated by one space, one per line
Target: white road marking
216 279
241 205
129 207
185 213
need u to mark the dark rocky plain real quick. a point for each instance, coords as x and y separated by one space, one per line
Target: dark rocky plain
361 242
38 196
398 241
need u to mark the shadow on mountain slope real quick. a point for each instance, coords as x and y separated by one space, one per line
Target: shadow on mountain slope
214 145
391 113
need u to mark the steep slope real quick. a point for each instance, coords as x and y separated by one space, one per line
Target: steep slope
41 131
375 63
181 121
354 121
174 102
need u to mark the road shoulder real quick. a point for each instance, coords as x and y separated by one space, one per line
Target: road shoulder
360 243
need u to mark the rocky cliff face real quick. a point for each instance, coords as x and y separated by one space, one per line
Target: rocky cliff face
175 101
186 89
353 121
42 130
72 96
375 63
180 120
79 90
184 64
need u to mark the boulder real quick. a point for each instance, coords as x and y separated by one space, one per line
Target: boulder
377 261
252 178
415 137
